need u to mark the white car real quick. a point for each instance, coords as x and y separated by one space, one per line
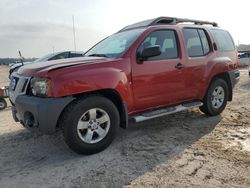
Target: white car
57 55
244 58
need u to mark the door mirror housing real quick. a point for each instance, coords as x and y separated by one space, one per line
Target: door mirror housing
150 51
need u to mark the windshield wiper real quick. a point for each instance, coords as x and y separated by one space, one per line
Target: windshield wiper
97 55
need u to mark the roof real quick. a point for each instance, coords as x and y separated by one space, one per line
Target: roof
167 21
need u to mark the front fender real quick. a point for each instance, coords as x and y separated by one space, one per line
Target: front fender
81 81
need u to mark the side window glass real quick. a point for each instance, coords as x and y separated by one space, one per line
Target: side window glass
223 40
204 41
75 55
193 42
196 42
60 56
166 39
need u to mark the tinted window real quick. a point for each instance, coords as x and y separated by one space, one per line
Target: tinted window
60 56
196 42
223 40
244 55
166 39
75 55
204 41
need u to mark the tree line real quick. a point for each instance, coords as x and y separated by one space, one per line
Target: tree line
244 47
7 61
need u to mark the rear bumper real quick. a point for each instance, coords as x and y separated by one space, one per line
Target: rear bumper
234 77
39 113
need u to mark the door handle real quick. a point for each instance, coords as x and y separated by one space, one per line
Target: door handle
179 66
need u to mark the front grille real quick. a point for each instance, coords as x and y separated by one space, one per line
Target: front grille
25 84
18 86
29 90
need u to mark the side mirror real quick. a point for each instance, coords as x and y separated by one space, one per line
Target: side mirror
150 51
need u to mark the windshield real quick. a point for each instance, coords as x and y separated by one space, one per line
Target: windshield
115 45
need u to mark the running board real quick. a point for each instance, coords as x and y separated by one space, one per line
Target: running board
166 111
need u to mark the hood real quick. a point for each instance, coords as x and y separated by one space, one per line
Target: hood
48 66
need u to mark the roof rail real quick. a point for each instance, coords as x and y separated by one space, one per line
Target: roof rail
197 22
168 21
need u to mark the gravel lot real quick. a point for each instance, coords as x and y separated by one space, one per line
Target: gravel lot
180 150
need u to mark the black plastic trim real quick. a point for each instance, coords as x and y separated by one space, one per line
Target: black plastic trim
46 111
234 77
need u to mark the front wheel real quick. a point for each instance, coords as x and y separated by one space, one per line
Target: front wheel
89 124
216 98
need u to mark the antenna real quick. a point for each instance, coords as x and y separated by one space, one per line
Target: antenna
74 33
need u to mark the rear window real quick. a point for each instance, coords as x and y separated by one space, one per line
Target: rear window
223 40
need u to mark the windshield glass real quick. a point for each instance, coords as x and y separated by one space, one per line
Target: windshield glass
115 45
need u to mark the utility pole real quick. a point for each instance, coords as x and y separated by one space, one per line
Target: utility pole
74 33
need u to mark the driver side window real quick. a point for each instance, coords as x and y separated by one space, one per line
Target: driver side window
166 39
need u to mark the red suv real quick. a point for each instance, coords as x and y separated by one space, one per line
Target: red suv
146 70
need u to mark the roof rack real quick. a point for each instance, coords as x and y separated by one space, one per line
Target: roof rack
168 21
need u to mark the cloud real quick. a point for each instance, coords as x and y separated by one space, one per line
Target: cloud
34 39
10 32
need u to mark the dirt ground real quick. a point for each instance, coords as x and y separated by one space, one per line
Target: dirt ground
187 149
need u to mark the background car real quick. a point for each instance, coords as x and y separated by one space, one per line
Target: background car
53 56
244 58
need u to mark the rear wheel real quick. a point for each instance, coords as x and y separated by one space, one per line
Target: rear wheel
89 124
216 98
3 104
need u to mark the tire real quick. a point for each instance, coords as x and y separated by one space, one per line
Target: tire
216 98
85 134
3 104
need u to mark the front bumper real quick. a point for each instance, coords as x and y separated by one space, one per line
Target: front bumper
39 113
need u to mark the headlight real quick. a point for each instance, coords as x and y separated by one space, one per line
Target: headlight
40 86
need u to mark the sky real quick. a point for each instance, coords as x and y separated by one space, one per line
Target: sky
39 27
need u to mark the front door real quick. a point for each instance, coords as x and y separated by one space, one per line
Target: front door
158 81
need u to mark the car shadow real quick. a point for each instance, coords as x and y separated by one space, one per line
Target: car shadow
245 86
135 151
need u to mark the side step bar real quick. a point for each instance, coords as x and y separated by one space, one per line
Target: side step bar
166 111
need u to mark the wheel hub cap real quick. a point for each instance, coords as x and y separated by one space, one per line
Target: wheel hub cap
93 125
218 97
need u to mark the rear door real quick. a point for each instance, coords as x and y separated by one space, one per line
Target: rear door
158 81
199 53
